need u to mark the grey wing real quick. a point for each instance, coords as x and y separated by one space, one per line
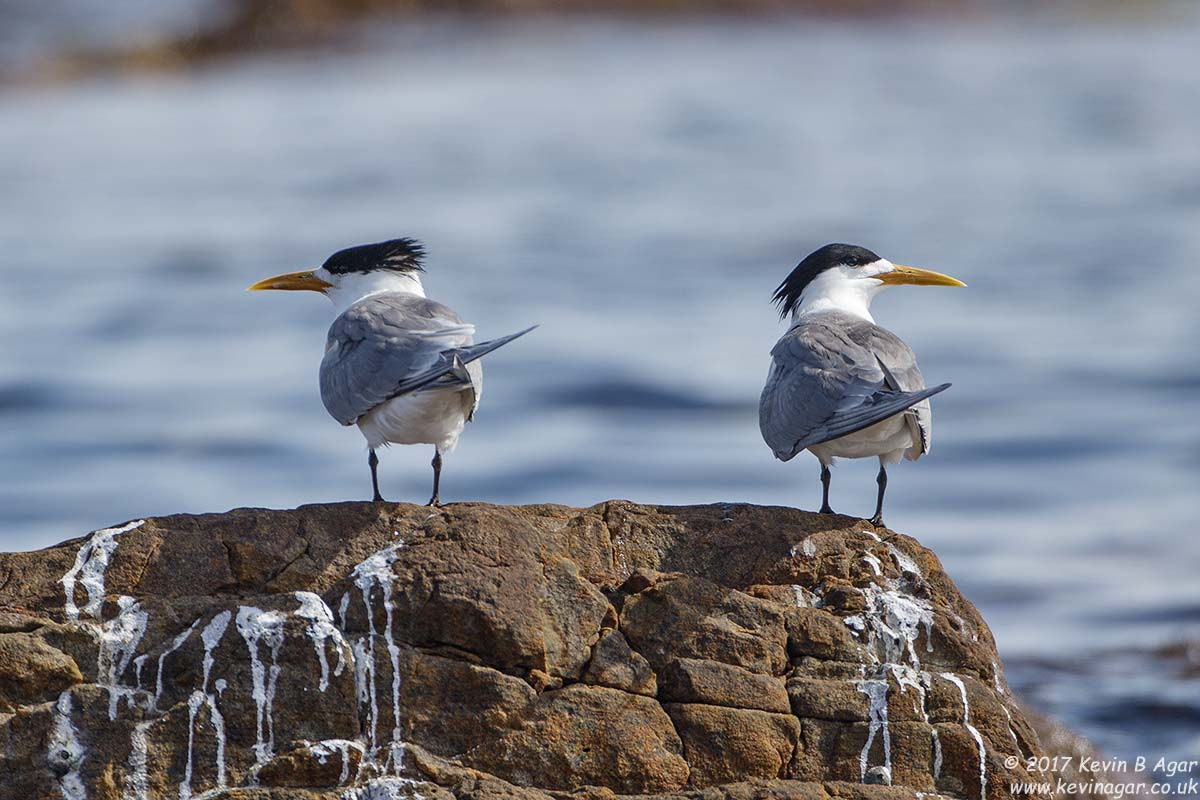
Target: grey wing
826 381
899 364
384 346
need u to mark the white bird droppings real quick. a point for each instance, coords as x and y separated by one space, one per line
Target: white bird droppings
327 747
211 637
376 570
321 629
176 643
256 625
876 692
91 562
1012 734
385 789
903 562
137 780
893 620
962 689
119 638
194 702
807 547
66 752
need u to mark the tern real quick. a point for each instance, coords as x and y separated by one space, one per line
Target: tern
400 366
839 385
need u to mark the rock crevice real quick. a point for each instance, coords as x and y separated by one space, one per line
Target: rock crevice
376 651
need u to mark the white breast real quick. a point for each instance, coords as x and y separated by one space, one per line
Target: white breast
888 439
432 417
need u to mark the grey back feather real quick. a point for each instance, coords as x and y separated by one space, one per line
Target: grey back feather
379 342
830 372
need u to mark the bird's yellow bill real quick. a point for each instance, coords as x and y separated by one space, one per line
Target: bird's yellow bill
914 276
292 281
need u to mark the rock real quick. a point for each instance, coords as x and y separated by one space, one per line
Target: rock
616 666
588 735
456 703
360 651
690 680
32 669
725 745
699 619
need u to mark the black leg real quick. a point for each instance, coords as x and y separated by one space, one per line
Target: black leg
437 477
373 460
825 478
881 479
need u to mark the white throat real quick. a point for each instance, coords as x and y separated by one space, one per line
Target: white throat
352 287
844 290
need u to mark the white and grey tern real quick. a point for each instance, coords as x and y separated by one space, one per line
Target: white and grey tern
403 368
839 385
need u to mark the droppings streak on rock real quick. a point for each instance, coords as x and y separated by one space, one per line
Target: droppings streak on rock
66 752
321 630
957 681
876 692
255 626
376 570
91 562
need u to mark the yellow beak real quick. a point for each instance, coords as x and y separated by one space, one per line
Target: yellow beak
293 282
917 277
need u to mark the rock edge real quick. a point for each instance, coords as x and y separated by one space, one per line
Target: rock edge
359 651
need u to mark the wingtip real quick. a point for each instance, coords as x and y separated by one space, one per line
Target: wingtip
519 334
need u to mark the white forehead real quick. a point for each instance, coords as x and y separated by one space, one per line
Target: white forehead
848 273
877 267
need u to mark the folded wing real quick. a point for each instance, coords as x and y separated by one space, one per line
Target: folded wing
393 344
834 375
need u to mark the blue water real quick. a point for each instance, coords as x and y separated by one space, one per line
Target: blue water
639 188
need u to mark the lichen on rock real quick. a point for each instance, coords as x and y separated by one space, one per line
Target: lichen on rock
360 651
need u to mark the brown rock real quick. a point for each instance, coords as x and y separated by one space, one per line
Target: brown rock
726 652
330 763
498 596
450 706
615 665
688 680
32 670
817 633
815 698
844 600
694 618
586 735
725 745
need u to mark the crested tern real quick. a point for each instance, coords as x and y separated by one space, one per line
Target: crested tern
403 368
839 385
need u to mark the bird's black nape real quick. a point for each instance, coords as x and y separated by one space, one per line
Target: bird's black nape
400 255
787 296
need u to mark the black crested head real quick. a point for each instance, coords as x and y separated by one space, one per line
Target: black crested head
399 255
787 296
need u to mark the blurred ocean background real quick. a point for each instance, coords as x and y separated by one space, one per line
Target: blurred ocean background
638 185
